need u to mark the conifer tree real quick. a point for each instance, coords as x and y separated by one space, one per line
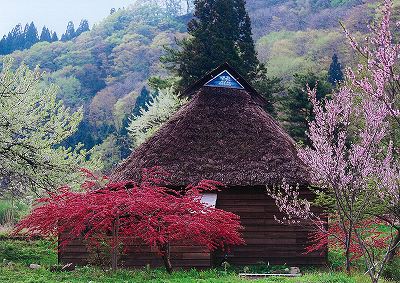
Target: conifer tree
298 108
83 26
267 87
142 101
16 39
54 37
221 32
69 33
45 35
335 74
31 35
2 45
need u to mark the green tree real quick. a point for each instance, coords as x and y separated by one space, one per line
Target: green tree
45 35
33 125
220 32
83 27
69 33
142 101
159 110
335 74
31 35
297 108
15 39
54 37
267 87
108 153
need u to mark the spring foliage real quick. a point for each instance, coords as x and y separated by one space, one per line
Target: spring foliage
138 212
33 125
353 157
153 115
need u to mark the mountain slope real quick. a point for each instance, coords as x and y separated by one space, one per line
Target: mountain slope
106 68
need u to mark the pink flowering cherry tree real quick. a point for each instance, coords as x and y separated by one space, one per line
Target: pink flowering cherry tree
354 156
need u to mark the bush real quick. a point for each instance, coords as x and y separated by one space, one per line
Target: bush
336 259
11 212
392 270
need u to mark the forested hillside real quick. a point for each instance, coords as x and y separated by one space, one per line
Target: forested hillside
107 68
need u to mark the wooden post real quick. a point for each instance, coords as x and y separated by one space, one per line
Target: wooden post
115 246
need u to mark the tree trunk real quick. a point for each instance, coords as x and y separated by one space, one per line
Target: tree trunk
395 247
114 247
348 265
166 257
348 246
347 252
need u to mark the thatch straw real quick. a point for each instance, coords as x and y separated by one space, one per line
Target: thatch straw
221 134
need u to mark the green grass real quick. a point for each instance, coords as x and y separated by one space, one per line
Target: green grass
20 273
11 211
25 253
22 253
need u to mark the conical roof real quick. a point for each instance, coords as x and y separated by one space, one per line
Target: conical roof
221 134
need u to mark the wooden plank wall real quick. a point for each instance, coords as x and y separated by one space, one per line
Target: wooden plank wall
266 239
139 256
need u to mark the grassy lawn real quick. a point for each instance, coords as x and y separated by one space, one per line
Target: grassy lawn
22 254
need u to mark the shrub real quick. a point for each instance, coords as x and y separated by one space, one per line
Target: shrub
392 270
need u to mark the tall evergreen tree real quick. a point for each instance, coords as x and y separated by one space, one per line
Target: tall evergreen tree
83 26
221 32
3 45
69 33
267 87
15 39
54 37
296 106
45 35
335 74
31 35
142 101
18 38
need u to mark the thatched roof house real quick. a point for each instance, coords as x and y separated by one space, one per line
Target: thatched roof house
223 134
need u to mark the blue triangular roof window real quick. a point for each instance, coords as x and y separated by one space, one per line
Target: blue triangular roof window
224 79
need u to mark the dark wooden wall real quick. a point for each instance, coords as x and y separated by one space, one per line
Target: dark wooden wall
266 240
139 256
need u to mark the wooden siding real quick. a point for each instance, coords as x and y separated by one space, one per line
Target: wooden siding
140 255
266 240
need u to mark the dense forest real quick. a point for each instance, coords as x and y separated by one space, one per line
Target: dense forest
114 69
24 38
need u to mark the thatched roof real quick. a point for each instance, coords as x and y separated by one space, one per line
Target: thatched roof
220 134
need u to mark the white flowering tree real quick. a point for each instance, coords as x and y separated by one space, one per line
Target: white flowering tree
33 125
163 106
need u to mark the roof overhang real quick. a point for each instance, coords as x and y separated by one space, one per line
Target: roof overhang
241 82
